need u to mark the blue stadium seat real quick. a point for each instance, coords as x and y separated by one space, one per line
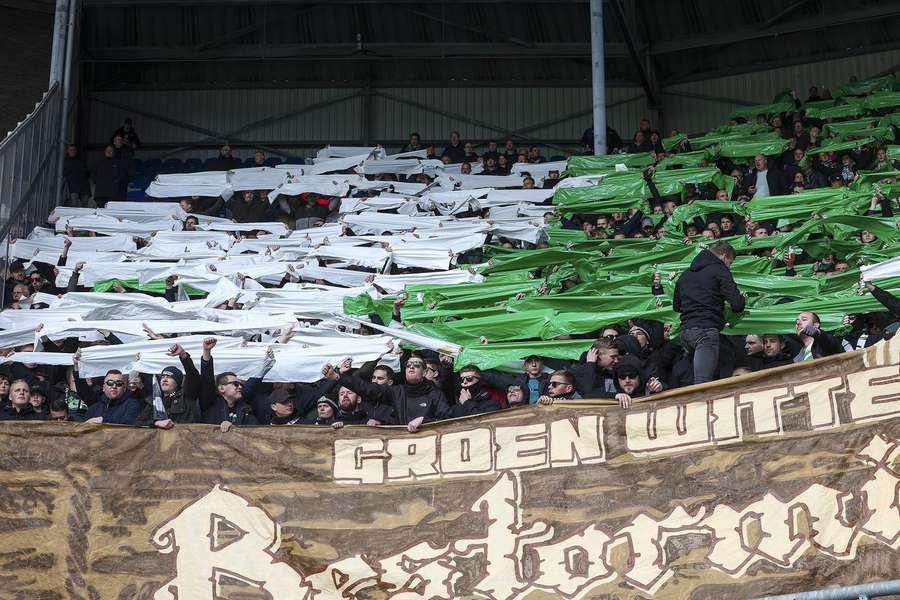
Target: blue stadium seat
248 162
295 160
273 161
152 167
193 165
138 166
172 165
137 187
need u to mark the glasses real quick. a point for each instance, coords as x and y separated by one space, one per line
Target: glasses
558 383
414 364
630 376
468 379
235 383
114 383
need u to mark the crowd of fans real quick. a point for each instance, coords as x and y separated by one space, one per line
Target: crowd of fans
630 358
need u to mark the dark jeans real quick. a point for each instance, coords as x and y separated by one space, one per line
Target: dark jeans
704 344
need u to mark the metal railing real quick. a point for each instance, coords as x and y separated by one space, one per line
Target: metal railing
31 156
29 186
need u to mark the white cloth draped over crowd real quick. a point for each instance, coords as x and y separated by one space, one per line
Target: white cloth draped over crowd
362 250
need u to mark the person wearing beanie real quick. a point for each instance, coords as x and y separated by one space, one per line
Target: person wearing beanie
631 383
174 397
326 409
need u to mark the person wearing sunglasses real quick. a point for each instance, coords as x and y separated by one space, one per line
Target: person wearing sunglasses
631 383
561 386
225 400
473 398
415 402
113 404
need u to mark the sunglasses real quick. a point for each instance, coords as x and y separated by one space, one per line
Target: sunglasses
468 379
414 364
235 383
114 383
629 376
558 383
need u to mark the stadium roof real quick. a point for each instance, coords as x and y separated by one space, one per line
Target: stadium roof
206 43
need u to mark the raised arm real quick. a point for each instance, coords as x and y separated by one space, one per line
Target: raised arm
207 375
372 391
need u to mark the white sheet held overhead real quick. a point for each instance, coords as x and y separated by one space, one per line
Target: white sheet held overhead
187 190
882 270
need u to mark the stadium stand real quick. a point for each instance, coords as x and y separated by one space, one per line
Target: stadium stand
601 276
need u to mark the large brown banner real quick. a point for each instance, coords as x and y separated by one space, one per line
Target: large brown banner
778 482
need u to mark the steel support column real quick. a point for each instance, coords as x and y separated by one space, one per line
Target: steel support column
598 76
57 53
65 101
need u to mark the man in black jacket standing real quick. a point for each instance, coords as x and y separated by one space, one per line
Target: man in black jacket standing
225 400
110 177
178 395
77 177
414 402
700 296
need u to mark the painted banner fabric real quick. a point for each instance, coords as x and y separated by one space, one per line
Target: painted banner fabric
766 484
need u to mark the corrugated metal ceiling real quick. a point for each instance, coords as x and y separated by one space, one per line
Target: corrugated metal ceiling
204 44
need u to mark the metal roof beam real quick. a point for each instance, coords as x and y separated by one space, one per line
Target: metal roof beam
345 51
690 77
241 32
41 6
783 13
694 42
484 32
635 59
219 3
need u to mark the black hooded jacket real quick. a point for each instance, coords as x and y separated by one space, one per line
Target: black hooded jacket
702 290
183 405
214 408
408 401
